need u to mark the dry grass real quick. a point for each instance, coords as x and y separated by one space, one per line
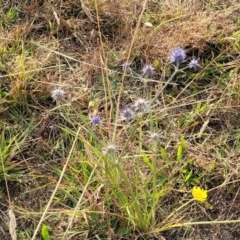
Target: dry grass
51 157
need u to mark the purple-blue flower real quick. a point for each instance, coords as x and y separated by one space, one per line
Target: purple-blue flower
141 105
125 66
95 120
126 114
177 55
148 70
193 64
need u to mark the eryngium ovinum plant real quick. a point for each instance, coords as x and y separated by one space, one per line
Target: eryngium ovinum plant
138 196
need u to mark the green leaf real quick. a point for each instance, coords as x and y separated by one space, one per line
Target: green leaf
164 155
45 233
179 152
236 34
146 160
187 177
123 231
181 149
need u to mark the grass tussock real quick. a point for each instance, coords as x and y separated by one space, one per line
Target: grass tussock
119 119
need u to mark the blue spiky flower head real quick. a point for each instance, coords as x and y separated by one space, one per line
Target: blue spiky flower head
126 66
177 55
58 95
148 70
193 64
109 149
141 105
95 120
126 114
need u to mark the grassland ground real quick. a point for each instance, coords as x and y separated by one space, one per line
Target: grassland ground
113 112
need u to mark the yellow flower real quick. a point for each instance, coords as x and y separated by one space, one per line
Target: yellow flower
199 194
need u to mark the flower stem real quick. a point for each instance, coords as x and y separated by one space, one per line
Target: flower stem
166 84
